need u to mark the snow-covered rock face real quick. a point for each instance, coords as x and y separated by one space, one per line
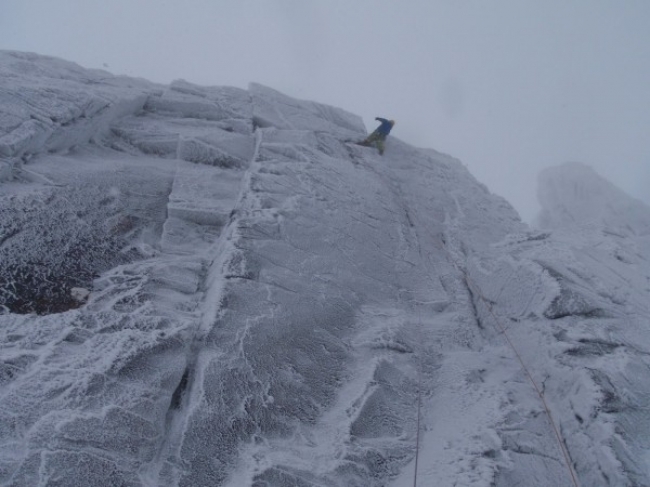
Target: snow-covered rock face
574 195
273 306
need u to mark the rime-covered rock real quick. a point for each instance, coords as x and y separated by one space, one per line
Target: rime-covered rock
574 195
270 303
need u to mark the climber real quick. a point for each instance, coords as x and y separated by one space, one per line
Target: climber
379 135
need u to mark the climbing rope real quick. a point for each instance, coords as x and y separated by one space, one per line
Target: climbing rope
417 431
502 330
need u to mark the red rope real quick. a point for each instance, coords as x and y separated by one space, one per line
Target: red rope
558 436
502 330
417 433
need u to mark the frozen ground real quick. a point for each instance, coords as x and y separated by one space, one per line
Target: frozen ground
270 303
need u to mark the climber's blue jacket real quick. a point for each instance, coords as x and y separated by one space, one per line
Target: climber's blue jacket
385 127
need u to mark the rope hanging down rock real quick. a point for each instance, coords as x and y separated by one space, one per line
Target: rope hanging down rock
502 330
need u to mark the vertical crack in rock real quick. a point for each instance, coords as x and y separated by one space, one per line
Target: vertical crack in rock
168 467
472 302
179 393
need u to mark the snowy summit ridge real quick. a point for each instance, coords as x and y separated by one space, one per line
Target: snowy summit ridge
573 194
270 303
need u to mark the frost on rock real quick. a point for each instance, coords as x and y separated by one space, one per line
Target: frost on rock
273 109
81 224
268 304
574 195
50 104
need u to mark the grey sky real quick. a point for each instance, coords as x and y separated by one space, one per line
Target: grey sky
508 87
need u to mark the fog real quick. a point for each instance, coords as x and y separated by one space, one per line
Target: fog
508 87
